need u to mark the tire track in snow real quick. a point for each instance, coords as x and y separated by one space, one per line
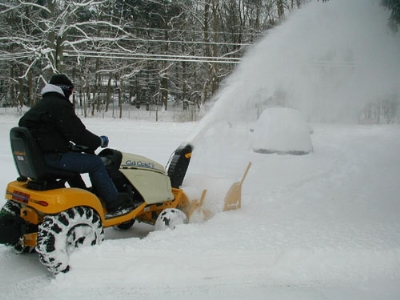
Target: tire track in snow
23 273
20 289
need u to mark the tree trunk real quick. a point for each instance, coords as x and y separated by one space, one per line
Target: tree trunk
31 96
120 93
280 8
214 66
108 92
20 92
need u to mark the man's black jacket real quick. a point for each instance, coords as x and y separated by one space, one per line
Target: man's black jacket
53 122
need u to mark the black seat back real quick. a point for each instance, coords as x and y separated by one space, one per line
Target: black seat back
26 153
29 159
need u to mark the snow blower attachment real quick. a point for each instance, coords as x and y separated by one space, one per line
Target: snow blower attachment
179 164
233 199
177 169
204 208
42 214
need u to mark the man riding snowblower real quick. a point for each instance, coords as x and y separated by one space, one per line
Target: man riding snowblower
43 215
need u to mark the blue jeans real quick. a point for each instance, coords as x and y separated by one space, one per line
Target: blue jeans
86 163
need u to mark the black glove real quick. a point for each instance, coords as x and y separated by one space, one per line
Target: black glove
104 141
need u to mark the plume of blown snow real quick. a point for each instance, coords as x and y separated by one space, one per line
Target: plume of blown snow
328 60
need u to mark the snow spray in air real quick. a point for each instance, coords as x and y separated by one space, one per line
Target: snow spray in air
328 60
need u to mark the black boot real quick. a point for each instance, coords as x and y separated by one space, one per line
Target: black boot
122 205
133 197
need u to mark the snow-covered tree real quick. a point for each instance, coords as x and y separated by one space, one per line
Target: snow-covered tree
133 51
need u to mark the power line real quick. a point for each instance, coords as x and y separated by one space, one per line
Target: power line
128 56
190 32
153 57
134 39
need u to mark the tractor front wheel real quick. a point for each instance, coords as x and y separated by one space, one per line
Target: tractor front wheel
170 218
125 226
59 235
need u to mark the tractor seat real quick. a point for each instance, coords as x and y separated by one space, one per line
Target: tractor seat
30 164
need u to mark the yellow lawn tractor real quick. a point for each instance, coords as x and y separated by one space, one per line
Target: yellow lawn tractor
43 215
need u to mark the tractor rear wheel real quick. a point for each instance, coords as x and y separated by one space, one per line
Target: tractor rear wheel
59 235
12 208
170 218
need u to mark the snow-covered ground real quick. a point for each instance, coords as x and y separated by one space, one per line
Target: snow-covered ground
320 226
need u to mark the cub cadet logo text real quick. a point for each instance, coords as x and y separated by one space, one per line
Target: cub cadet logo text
19 155
139 164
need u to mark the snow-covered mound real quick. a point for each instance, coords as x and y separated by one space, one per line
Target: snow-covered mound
282 130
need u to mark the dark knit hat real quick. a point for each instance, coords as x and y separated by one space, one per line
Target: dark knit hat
63 82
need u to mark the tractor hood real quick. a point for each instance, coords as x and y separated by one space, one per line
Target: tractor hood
148 177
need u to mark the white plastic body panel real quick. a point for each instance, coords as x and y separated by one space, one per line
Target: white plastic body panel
148 177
